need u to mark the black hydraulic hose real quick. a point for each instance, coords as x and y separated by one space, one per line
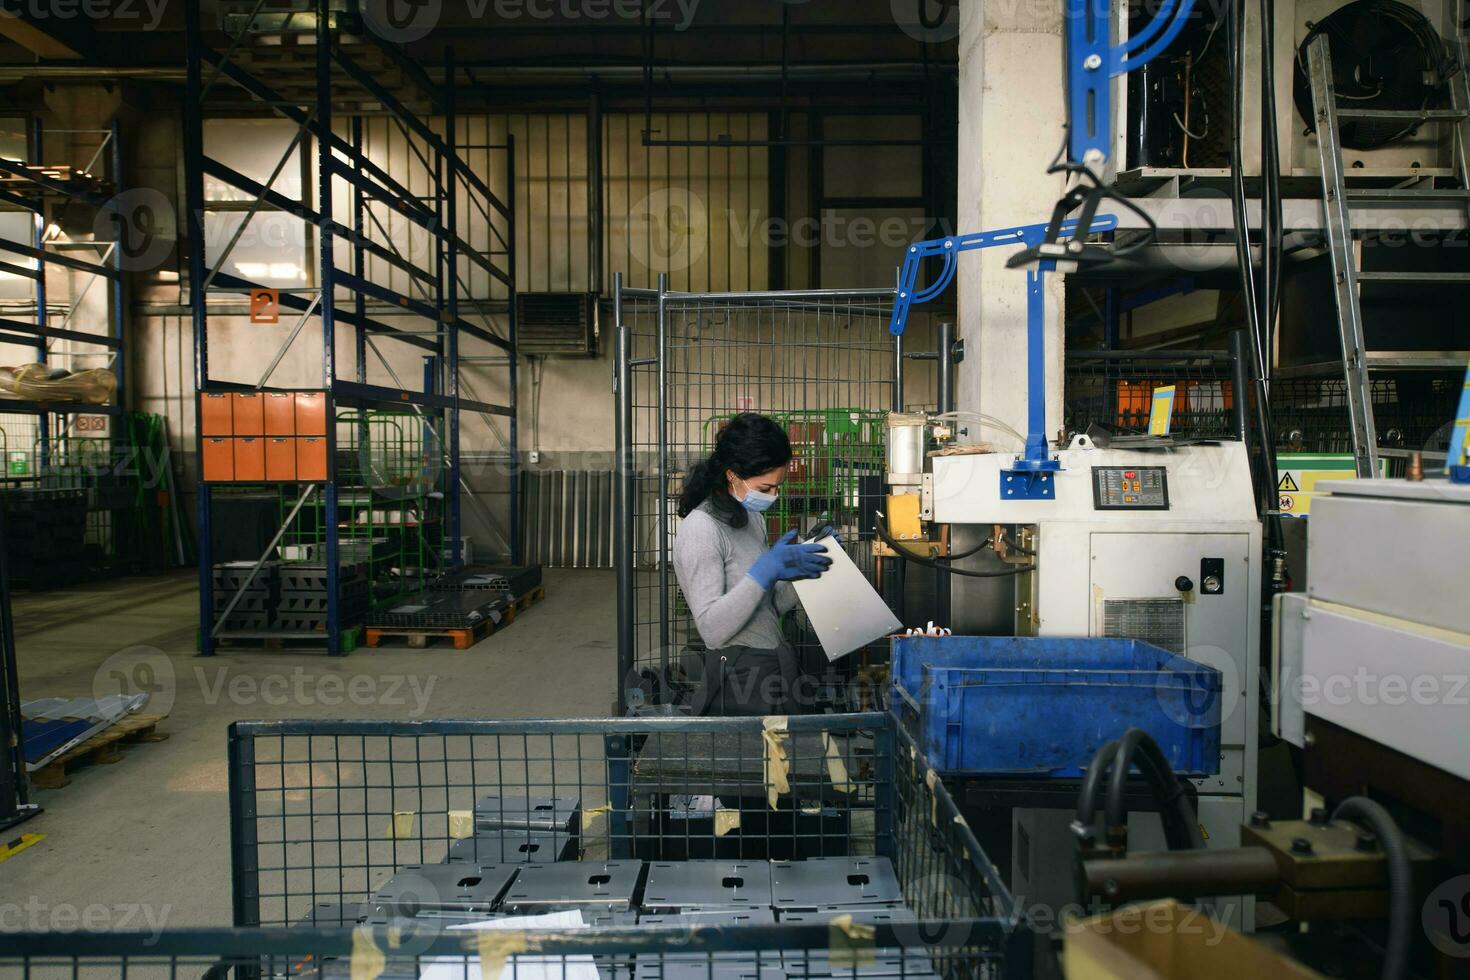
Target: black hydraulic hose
1181 828
930 563
1272 222
1087 798
1400 882
1266 492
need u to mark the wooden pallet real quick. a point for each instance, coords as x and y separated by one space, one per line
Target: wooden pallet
463 638
522 603
104 748
349 638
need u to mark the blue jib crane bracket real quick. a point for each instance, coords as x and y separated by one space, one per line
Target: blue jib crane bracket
1029 478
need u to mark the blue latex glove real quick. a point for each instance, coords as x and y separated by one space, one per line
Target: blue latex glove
788 560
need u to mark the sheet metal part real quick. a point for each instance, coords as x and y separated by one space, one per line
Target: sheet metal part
512 847
710 917
707 884
544 887
444 887
816 882
329 915
541 813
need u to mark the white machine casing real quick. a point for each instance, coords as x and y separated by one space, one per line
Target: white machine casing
1379 644
1088 557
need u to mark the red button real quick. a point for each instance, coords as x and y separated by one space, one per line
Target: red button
1129 474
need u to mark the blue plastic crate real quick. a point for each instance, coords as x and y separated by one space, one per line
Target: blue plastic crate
995 705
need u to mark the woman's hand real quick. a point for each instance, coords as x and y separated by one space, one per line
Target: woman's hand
787 561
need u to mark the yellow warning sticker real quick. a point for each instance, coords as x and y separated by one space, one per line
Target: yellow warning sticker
1298 476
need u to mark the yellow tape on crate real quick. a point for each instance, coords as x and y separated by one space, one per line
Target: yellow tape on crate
368 961
836 767
850 944
401 825
495 947
592 814
461 824
777 764
726 820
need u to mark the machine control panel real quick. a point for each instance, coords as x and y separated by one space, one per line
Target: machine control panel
1130 488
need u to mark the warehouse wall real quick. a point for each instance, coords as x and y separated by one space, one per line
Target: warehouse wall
701 214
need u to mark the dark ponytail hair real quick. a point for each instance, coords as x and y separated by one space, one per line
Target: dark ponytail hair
749 444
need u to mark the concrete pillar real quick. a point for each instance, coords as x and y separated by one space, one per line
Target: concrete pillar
1010 127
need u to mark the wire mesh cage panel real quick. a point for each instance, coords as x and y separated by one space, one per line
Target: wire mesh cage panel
1412 410
422 950
1114 390
324 814
822 365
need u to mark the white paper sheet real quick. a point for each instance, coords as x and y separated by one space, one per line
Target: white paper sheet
522 967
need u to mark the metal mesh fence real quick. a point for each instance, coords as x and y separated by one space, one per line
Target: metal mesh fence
823 365
954 950
1411 411
1114 390
324 814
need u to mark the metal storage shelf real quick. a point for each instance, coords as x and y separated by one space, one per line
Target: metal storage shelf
342 295
27 187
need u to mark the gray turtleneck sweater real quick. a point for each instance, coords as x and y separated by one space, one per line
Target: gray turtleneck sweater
711 560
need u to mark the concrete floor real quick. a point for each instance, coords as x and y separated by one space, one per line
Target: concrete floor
144 842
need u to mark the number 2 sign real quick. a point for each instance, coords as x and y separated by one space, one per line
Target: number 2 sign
265 306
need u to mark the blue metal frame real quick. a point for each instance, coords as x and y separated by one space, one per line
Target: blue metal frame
366 180
1093 61
1029 478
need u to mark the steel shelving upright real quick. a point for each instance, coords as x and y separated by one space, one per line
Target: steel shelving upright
342 294
30 186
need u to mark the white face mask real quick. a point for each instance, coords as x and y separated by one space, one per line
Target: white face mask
757 501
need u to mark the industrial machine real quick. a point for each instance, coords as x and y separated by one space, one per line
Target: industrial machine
1153 541
1372 686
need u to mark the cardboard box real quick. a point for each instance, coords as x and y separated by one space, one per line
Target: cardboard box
280 459
1168 941
219 459
311 413
280 413
216 414
250 460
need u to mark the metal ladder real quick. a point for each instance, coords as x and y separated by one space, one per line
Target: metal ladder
1337 198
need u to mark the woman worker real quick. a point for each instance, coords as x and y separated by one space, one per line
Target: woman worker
737 588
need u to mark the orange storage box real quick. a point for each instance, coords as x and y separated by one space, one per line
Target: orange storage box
311 459
215 414
311 413
280 413
250 460
249 414
280 459
219 459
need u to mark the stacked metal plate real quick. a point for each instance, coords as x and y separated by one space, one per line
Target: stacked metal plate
432 888
610 885
907 961
303 600
675 886
512 847
731 965
329 915
255 610
816 882
515 579
546 814
441 611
